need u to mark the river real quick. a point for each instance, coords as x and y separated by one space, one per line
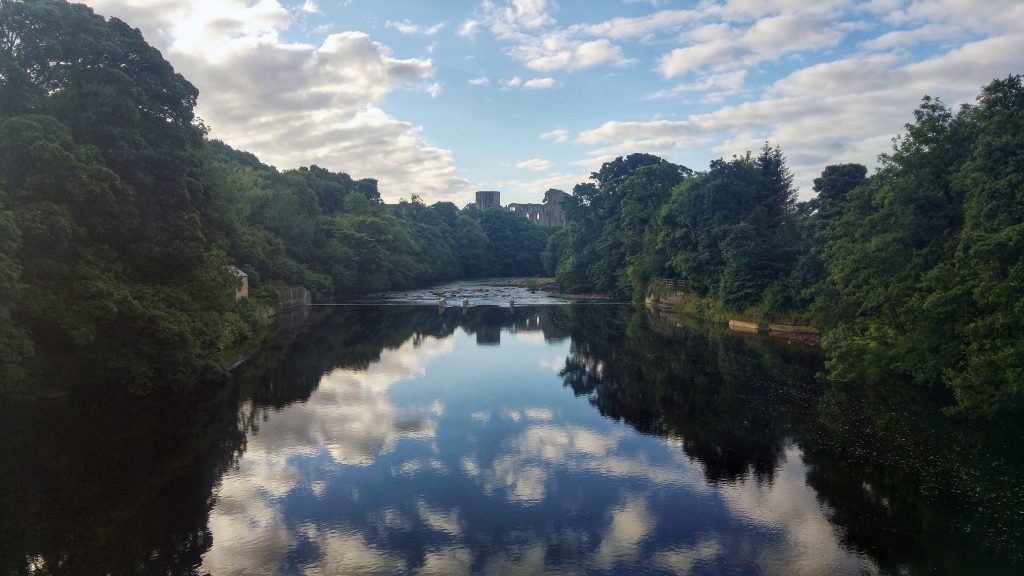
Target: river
559 438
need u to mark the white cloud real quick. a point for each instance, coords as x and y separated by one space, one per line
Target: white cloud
526 13
481 81
539 83
407 27
725 83
767 39
293 104
558 51
642 27
535 164
311 7
524 23
841 111
557 135
512 82
468 27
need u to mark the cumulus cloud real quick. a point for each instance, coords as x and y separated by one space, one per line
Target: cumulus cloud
526 24
539 83
535 164
481 81
819 114
407 27
558 135
523 13
767 39
558 51
468 28
294 104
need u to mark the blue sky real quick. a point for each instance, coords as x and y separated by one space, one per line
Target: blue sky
441 98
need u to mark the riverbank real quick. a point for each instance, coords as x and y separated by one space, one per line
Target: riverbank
785 327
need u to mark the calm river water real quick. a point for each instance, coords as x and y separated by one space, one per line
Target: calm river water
559 439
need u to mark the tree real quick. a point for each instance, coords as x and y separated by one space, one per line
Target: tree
925 258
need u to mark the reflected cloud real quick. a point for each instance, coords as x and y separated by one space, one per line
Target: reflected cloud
522 473
407 468
391 519
447 562
631 524
520 481
249 531
682 559
527 561
446 521
350 553
350 419
543 414
555 364
470 467
589 495
789 506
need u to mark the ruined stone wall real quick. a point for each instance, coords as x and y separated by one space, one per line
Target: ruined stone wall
550 214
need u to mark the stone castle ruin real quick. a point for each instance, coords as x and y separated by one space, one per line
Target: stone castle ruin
550 213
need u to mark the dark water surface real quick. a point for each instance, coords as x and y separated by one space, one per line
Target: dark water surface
551 439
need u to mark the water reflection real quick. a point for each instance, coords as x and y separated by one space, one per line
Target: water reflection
565 439
108 485
441 456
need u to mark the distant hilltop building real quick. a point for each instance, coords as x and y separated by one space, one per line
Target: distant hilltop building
550 213
487 199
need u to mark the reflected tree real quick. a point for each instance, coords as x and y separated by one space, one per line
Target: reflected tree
732 402
85 493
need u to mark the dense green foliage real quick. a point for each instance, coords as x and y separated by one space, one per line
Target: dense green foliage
612 218
118 216
913 275
926 261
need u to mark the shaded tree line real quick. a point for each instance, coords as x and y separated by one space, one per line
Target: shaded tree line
913 274
118 216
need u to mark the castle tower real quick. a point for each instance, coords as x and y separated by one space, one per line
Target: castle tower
487 199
